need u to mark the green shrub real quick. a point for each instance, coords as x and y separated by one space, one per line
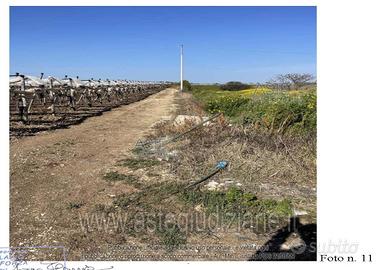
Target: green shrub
281 112
230 106
234 86
187 86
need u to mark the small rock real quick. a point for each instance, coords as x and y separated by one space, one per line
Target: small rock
300 212
212 185
183 119
285 247
198 208
205 118
228 182
173 153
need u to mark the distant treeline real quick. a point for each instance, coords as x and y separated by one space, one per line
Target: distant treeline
283 82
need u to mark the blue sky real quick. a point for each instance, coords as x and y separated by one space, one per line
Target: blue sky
249 44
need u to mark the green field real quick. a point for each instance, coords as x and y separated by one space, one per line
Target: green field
280 112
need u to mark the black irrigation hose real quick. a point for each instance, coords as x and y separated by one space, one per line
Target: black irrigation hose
204 178
220 166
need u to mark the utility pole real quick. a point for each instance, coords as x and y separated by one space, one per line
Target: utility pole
23 85
181 71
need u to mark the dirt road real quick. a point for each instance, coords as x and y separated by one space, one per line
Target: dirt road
54 172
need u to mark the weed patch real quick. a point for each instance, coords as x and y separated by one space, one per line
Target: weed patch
116 176
276 111
152 174
149 196
102 208
65 143
135 164
75 205
122 201
171 236
235 200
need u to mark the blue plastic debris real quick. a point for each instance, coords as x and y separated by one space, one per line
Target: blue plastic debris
222 164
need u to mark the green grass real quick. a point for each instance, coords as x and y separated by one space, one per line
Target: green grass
206 93
278 112
138 150
153 194
65 143
134 163
152 174
75 205
236 201
122 201
171 236
116 176
120 177
102 208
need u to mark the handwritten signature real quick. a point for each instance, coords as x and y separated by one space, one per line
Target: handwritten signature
60 266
